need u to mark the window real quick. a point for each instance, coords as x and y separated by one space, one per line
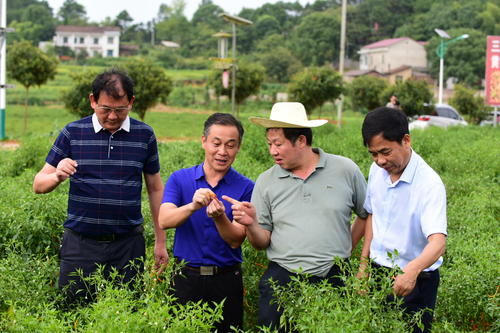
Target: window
82 40
65 40
75 40
96 40
110 40
109 53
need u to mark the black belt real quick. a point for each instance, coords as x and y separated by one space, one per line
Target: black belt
110 237
210 270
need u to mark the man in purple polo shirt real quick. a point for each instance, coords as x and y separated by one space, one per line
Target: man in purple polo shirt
206 239
105 156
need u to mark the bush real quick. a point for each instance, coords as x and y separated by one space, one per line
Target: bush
412 94
365 92
466 103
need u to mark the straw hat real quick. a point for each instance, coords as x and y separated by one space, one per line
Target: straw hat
288 115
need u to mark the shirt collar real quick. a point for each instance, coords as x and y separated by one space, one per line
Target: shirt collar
321 163
97 125
228 177
408 173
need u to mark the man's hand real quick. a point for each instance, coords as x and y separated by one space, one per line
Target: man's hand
161 257
243 211
202 197
215 208
66 168
404 283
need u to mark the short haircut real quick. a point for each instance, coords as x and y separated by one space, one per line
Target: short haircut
292 134
110 82
225 119
389 122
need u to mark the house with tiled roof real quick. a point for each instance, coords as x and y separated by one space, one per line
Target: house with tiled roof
103 41
387 55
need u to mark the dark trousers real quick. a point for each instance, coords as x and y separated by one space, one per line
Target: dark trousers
421 298
77 252
269 315
227 285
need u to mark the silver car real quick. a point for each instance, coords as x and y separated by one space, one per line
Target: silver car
444 116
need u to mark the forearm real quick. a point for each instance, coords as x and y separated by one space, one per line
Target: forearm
257 236
231 233
45 182
357 231
172 217
431 253
154 205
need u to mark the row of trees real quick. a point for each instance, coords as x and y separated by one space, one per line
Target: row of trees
285 35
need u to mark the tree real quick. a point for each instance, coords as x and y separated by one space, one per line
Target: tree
316 39
208 14
465 101
72 13
464 59
249 77
412 94
364 92
151 84
76 98
31 67
123 19
280 64
314 86
266 25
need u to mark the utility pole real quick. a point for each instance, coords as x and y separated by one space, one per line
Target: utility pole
3 35
341 60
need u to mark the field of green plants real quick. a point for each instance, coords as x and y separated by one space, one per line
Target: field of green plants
466 158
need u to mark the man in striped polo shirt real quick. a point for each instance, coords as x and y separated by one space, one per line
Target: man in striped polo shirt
105 156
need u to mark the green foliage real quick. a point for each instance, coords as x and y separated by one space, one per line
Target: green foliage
72 13
365 92
314 86
76 99
151 84
315 40
412 94
249 77
29 66
465 101
280 64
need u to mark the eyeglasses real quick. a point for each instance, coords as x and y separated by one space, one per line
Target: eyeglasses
118 110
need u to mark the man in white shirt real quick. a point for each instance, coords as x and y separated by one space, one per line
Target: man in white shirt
406 202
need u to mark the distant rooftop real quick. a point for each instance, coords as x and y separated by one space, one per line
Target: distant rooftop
384 43
87 29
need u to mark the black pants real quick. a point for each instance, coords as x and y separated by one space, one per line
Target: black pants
189 285
421 298
269 315
77 252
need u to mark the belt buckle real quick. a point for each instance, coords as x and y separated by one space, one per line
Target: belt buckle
207 270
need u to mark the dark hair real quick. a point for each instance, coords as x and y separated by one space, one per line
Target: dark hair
225 119
389 122
292 134
110 82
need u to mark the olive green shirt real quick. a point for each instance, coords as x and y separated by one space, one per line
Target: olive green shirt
310 219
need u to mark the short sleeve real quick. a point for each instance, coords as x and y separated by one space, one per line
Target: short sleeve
172 192
433 210
61 148
359 194
152 164
262 205
368 203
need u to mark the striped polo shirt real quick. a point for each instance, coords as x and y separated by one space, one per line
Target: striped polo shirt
105 192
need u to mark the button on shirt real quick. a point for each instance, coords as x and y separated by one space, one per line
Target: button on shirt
405 213
197 241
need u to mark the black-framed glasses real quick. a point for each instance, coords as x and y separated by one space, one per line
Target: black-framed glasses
118 110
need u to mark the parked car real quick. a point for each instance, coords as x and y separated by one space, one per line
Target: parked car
488 121
445 115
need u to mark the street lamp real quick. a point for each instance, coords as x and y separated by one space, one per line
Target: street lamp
440 51
234 20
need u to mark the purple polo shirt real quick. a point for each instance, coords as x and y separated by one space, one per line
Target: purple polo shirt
197 241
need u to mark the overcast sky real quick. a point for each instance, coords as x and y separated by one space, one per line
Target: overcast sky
144 10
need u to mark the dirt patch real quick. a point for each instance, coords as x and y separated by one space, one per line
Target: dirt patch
9 145
176 109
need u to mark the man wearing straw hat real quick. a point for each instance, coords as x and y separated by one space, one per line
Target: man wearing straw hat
301 207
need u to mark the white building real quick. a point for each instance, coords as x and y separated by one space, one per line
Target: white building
104 41
389 54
